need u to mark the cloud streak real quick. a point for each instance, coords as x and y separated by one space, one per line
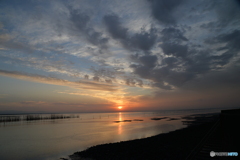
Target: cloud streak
55 81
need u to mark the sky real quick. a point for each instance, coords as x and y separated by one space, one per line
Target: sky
97 55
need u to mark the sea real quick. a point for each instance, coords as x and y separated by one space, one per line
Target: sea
52 139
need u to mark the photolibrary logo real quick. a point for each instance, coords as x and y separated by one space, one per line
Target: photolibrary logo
212 153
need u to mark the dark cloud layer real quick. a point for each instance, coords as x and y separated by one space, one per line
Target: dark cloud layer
175 49
187 64
148 60
166 52
228 14
115 27
232 39
172 71
162 10
142 41
81 22
173 34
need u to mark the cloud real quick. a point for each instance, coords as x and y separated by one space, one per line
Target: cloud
149 60
86 76
142 71
108 80
228 78
8 42
172 39
134 82
175 49
115 27
53 107
96 78
231 39
231 12
172 71
161 85
81 21
170 61
182 62
144 40
117 76
3 95
55 81
228 47
117 97
163 10
173 34
48 65
190 99
32 102
199 63
141 41
226 15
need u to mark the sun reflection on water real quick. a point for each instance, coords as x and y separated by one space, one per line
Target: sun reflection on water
119 124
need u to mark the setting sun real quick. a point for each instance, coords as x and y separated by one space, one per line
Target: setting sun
119 107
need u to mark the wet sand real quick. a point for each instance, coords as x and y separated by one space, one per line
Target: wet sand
173 145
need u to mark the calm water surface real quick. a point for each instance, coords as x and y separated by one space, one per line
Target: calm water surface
53 139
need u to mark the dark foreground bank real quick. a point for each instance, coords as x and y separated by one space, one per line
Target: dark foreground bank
179 144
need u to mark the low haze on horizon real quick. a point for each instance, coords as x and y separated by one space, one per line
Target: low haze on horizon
112 55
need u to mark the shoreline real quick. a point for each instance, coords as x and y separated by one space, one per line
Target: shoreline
172 145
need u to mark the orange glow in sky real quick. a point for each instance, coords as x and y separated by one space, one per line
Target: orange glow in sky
119 107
